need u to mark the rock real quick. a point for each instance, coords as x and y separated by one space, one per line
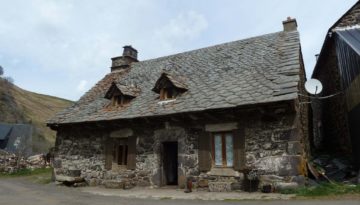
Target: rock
74 173
94 182
267 146
236 186
300 180
280 186
80 184
128 185
219 186
143 183
203 183
63 178
114 184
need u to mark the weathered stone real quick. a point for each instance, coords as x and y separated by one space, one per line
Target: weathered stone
74 172
143 183
300 180
270 178
236 186
294 148
112 184
80 184
280 186
219 186
267 146
93 182
128 185
57 163
203 183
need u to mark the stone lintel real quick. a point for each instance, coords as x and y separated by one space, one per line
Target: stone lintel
122 133
221 127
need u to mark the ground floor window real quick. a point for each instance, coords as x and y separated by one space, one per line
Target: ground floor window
223 149
120 152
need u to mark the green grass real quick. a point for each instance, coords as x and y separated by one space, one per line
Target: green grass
27 172
40 176
325 189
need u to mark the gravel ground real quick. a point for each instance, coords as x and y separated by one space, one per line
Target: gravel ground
23 192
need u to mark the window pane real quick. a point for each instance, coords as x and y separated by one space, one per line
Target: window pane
229 150
218 150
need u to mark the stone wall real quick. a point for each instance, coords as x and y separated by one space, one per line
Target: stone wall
80 149
273 145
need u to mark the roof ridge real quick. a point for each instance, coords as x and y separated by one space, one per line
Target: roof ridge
207 47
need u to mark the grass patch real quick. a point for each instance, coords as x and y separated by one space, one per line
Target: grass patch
39 176
325 189
27 172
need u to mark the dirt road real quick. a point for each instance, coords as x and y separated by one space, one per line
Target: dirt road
22 192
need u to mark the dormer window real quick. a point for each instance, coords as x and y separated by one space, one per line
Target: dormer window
169 87
120 100
167 93
121 95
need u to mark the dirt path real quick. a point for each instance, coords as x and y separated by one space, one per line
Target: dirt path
18 191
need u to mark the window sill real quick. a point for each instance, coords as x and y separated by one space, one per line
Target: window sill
224 171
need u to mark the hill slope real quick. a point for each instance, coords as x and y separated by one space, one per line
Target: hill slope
21 106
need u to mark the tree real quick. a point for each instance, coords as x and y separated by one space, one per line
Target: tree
1 70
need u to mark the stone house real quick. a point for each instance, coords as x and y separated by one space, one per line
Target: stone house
212 114
337 116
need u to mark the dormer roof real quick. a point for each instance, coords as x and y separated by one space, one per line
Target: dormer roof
117 88
166 78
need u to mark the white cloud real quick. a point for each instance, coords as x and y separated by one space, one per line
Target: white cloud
185 26
82 86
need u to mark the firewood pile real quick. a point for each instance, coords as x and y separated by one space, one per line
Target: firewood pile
11 163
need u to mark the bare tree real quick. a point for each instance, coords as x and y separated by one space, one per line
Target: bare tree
1 70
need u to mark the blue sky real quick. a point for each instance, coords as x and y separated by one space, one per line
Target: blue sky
63 47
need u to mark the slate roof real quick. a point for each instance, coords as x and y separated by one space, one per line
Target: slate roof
256 70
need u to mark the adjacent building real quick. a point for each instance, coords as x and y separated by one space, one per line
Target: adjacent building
337 111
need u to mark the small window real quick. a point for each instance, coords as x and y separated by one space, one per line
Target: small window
120 100
168 93
120 152
223 149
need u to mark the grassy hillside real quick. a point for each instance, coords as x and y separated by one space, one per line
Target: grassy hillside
21 106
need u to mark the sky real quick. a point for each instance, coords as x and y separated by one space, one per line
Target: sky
63 47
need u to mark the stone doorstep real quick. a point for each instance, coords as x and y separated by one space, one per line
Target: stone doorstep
63 178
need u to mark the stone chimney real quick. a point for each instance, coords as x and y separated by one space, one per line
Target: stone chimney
122 62
290 24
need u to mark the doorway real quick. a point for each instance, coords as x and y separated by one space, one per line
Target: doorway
170 163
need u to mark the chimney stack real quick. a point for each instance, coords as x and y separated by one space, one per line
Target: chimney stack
122 62
290 24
